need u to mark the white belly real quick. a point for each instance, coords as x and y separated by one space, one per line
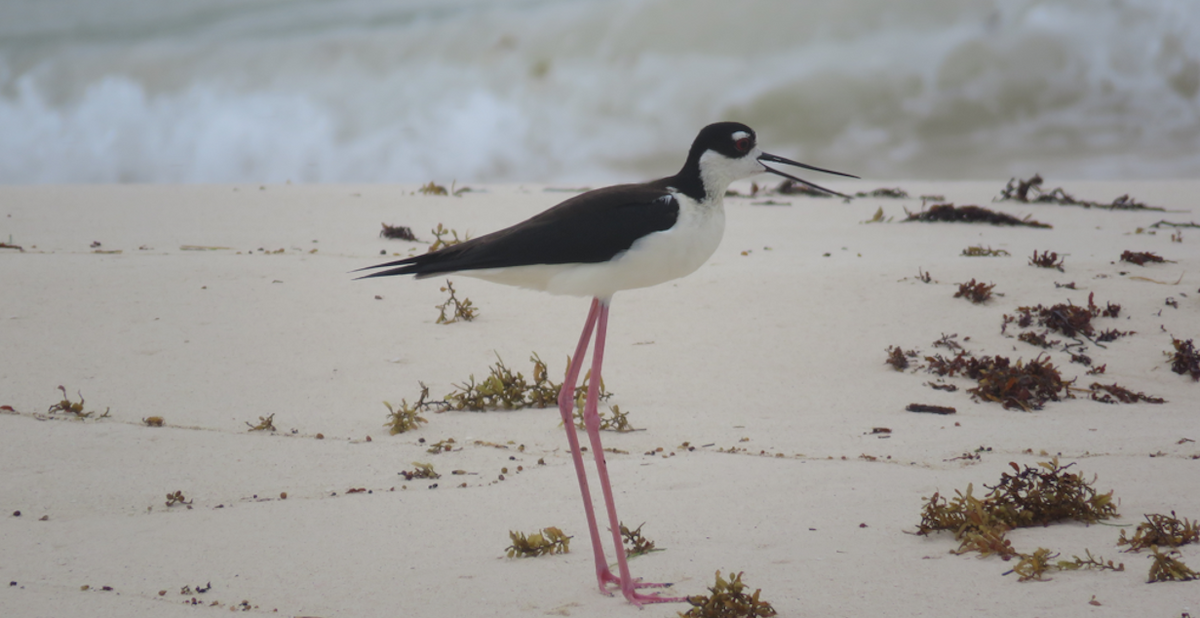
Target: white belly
651 260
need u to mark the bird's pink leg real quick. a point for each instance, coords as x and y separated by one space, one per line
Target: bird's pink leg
591 419
566 406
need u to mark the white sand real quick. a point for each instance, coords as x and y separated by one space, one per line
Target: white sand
778 351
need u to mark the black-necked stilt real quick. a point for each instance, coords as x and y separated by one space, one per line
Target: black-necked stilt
601 242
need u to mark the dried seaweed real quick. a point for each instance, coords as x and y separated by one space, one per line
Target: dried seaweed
614 420
1030 192
75 407
177 498
943 366
635 543
895 193
1032 567
878 217
1113 393
505 390
547 542
949 342
1161 530
440 242
407 417
1068 319
931 409
1175 225
1033 496
463 310
265 423
981 251
1141 257
398 232
1167 568
1185 360
420 471
431 188
974 525
1037 339
898 358
1048 259
791 187
1027 386
728 600
976 292
1047 494
968 214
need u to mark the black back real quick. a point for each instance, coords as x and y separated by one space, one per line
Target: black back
588 228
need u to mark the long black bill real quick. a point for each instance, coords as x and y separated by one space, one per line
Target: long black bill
774 159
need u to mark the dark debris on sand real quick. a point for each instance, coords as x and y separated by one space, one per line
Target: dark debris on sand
968 214
1185 360
400 232
1030 192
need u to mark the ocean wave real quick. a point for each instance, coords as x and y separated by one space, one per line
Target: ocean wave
589 91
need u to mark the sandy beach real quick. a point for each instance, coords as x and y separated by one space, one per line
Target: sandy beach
213 307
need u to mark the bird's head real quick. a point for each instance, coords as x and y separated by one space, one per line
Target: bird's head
728 151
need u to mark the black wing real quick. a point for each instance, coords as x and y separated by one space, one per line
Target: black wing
588 228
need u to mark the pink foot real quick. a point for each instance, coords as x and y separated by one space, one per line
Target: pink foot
639 599
630 593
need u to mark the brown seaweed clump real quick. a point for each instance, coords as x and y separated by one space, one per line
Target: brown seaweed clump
1037 496
1019 385
397 232
1033 567
463 310
976 292
1141 257
1115 393
1048 259
1027 386
1030 192
76 407
547 542
1161 530
1185 360
969 214
1167 568
898 357
728 601
635 543
1068 319
981 251
1033 496
505 389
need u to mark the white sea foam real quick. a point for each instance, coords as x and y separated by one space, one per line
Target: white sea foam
591 91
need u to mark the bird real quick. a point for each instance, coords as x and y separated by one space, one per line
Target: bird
596 244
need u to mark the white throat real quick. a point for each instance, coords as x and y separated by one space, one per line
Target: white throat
717 171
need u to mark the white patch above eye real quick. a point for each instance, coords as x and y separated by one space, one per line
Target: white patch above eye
737 135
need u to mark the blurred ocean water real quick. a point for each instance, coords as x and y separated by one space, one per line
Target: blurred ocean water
98 91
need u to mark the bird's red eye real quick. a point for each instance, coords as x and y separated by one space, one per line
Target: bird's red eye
742 145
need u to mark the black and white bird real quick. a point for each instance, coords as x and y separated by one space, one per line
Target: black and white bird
599 243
